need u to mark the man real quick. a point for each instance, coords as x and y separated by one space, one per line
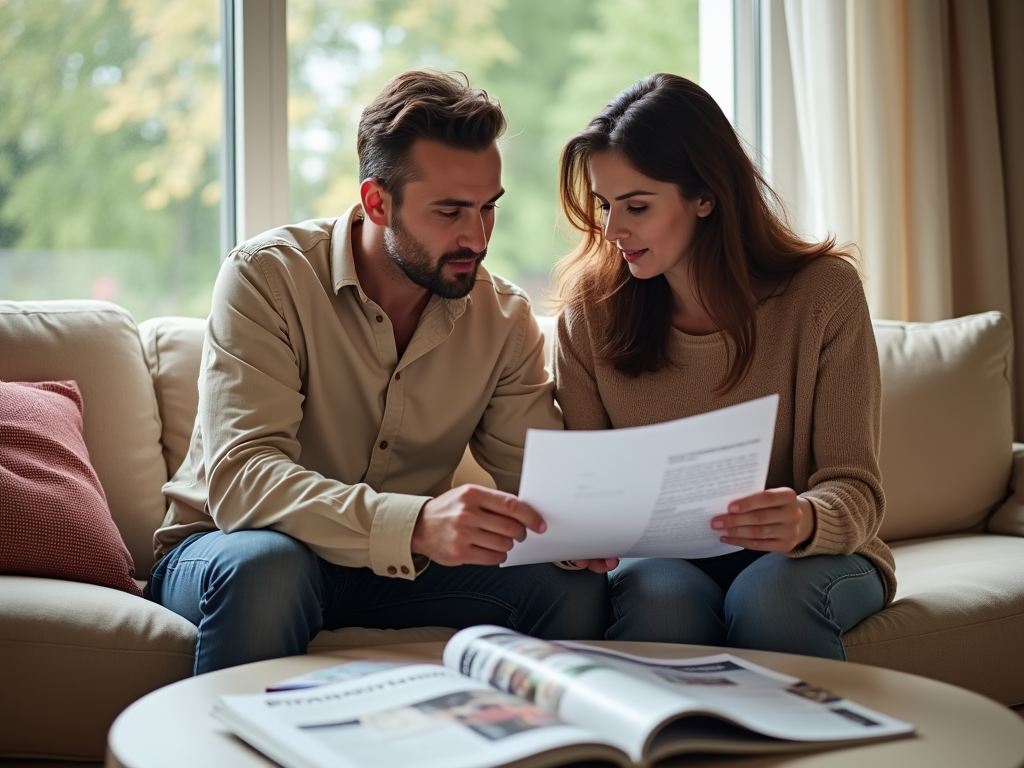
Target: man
347 363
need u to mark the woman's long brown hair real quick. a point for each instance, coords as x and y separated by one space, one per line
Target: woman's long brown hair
669 129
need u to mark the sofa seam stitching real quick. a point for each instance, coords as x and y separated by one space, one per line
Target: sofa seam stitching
34 643
937 631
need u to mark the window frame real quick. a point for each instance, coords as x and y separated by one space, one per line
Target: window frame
255 136
255 143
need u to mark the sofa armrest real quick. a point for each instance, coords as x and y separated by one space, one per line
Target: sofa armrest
1008 519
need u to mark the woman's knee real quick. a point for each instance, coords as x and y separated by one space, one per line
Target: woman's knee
665 600
801 605
769 581
846 588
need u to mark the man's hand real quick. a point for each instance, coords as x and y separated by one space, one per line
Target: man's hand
599 565
472 525
775 520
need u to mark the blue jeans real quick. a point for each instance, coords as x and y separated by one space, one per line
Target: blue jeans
746 599
260 594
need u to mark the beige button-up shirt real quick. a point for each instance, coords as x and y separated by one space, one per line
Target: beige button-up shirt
310 424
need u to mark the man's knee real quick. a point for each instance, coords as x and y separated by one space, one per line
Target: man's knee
262 563
563 605
217 567
263 599
256 550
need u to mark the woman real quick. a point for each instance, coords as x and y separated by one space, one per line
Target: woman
687 293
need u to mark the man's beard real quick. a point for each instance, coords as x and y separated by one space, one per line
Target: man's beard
412 257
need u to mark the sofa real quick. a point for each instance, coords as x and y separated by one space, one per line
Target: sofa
73 655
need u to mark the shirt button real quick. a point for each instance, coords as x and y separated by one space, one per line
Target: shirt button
392 570
383 445
405 570
380 318
398 376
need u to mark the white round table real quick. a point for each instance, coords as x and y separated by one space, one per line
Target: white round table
172 727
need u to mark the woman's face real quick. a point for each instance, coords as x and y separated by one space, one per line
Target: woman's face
649 221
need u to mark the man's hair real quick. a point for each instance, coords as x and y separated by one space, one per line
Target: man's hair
422 105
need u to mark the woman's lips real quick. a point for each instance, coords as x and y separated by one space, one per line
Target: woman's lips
632 255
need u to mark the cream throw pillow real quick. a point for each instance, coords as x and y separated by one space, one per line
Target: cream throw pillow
947 426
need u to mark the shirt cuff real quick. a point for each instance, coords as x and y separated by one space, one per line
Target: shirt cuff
391 536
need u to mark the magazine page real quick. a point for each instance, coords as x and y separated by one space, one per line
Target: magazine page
584 689
349 670
417 714
755 697
645 706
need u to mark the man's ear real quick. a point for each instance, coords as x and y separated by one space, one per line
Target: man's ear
376 202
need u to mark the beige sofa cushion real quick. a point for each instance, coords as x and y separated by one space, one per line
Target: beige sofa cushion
173 347
947 427
72 656
1009 518
97 345
958 615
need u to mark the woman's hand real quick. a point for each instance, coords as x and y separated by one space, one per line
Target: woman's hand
775 520
599 565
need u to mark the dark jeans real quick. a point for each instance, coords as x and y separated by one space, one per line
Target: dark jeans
746 600
261 594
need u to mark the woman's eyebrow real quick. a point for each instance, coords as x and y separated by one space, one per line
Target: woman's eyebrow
634 193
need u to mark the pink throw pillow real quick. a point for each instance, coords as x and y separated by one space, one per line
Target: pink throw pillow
54 519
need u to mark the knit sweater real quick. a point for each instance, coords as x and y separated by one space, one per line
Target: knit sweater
815 348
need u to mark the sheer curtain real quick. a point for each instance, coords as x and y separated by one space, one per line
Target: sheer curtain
896 125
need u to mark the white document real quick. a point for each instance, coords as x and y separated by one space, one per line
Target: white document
643 491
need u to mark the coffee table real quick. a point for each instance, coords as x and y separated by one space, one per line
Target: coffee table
172 726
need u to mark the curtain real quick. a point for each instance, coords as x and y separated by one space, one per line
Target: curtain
902 136
1007 33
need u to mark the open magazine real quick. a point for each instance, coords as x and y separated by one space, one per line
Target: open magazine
504 699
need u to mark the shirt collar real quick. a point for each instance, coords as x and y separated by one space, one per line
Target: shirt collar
343 263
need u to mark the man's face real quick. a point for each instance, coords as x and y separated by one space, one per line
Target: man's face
438 236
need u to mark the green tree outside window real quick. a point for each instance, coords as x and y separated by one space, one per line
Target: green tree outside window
110 124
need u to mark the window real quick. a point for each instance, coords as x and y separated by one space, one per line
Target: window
552 65
110 134
110 129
